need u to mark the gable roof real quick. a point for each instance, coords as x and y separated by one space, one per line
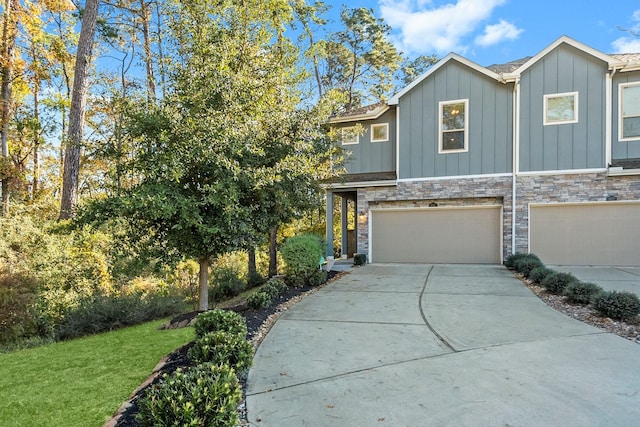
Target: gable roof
450 57
368 112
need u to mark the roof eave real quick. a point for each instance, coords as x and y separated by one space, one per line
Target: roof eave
369 115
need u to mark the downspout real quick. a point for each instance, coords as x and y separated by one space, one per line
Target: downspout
609 116
516 156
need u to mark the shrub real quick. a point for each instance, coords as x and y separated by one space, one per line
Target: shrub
317 278
226 283
538 274
259 300
582 293
18 312
525 264
275 288
255 280
301 255
618 305
108 312
220 321
222 348
206 395
556 282
511 259
359 259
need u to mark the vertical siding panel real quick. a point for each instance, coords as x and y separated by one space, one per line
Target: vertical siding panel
469 87
526 147
416 132
429 128
441 94
485 151
404 152
596 116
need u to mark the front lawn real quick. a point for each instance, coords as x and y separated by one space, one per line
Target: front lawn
81 382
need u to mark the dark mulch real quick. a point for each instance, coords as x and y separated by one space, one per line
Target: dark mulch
178 359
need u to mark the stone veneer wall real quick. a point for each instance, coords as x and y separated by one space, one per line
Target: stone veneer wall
569 188
475 191
566 188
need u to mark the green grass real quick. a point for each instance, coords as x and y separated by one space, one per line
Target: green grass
81 382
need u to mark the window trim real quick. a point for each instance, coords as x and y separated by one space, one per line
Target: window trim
355 133
545 105
465 149
621 118
384 125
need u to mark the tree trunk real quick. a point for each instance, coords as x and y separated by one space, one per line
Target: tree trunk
253 270
36 143
9 33
70 178
273 252
203 276
151 80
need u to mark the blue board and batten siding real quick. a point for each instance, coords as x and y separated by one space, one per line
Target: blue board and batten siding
621 150
490 125
367 156
568 146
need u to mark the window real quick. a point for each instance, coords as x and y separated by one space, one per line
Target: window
629 127
380 132
454 126
349 135
561 108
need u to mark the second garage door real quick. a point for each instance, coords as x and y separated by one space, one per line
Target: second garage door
437 235
586 234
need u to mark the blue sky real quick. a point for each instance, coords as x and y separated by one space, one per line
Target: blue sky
498 31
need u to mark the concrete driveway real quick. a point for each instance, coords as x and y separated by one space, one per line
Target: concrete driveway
442 345
609 278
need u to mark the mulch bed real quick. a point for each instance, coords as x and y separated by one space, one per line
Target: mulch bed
259 322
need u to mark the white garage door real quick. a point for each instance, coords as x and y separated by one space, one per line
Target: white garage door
437 235
586 234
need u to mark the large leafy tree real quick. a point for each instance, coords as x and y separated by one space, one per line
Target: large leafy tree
227 153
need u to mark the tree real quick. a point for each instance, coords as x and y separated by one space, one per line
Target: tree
73 144
411 69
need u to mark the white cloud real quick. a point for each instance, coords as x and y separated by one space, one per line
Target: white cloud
426 29
626 45
494 34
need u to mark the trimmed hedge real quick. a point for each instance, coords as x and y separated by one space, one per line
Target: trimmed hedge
206 395
222 348
618 305
302 255
526 264
220 321
582 293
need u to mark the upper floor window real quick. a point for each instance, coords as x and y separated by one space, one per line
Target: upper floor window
454 126
380 132
561 108
629 126
349 135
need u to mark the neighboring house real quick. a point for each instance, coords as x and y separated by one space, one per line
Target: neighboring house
469 164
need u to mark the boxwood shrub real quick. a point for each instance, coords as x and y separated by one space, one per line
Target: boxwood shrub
582 292
618 305
259 300
220 321
205 395
538 274
301 255
222 348
275 287
557 282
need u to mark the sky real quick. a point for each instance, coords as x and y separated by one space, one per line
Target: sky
498 31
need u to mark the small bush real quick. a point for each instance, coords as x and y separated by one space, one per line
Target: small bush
222 348
255 280
220 321
511 259
525 264
582 293
18 313
226 283
359 259
107 312
259 300
618 305
206 395
275 288
317 278
538 274
301 255
557 282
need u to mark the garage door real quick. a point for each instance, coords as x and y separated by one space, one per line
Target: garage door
586 234
437 235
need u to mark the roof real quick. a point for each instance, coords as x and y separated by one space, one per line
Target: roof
509 67
368 112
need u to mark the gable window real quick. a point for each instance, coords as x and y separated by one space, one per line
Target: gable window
380 132
454 126
561 108
629 127
349 135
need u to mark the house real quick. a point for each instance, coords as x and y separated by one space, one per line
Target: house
469 164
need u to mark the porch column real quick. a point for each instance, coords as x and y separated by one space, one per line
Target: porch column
356 220
344 221
329 232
